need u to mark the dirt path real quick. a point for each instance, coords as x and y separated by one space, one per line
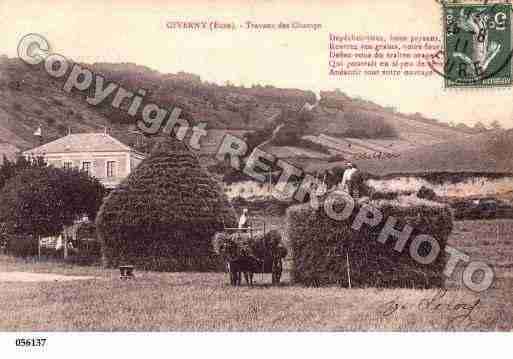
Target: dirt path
37 277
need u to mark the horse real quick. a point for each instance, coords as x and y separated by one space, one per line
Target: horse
238 261
246 265
251 257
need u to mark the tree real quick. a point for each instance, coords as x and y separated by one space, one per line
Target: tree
306 117
462 127
500 147
496 125
245 112
41 201
9 168
479 127
367 125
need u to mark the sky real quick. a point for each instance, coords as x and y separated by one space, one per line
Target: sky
135 31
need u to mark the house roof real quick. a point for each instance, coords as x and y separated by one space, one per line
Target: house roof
83 142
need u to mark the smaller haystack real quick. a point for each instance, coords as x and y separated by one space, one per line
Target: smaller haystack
321 246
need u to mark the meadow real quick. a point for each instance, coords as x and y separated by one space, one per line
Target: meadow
474 186
205 301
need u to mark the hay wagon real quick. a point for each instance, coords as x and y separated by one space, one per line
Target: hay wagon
252 249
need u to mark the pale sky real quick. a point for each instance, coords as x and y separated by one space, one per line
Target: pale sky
135 31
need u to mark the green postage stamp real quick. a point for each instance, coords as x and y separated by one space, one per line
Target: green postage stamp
477 44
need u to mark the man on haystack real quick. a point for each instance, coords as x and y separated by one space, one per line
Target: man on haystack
244 220
352 181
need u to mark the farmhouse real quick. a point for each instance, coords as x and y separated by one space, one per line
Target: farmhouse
100 154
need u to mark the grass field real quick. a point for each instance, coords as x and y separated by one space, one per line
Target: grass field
205 301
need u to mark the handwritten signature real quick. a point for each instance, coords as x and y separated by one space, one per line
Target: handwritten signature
459 314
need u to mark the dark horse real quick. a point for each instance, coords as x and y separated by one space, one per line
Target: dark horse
246 265
249 265
245 260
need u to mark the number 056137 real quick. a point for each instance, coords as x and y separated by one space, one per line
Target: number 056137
30 342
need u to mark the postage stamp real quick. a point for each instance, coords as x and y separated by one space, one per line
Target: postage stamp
477 39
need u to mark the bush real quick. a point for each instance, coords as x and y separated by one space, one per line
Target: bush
43 200
320 246
62 129
88 252
367 125
88 249
481 209
376 195
22 246
268 206
426 193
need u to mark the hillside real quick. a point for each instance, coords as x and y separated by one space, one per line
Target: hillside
490 152
30 99
485 153
290 123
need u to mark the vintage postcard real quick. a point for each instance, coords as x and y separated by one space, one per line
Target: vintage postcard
260 166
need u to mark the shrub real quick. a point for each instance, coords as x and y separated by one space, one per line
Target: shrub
88 252
363 124
426 193
376 195
164 214
62 129
268 206
43 200
22 246
312 146
87 247
321 246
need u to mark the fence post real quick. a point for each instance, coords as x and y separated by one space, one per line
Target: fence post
65 245
263 261
348 269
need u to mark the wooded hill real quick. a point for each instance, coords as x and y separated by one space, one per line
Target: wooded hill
331 128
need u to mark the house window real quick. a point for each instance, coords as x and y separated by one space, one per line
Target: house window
110 168
67 165
86 166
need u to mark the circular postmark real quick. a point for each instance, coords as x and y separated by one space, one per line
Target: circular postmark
477 49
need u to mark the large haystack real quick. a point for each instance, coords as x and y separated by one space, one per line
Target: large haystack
322 247
164 214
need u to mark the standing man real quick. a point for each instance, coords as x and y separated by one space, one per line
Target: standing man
351 180
244 219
